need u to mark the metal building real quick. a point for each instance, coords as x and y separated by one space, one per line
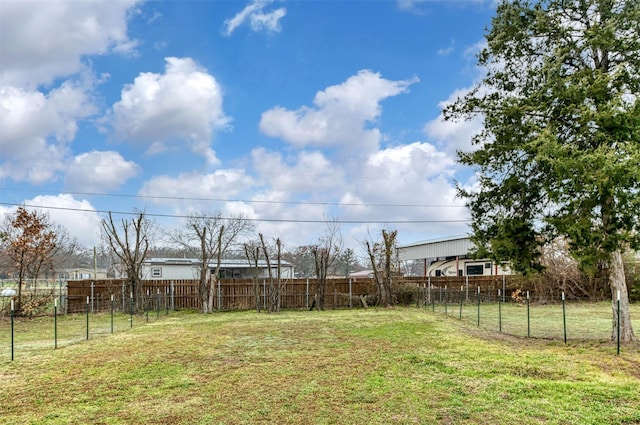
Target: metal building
449 257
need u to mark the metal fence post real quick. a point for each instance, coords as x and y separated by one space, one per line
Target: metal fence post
87 318
55 323
618 332
92 286
564 319
528 318
60 294
112 300
146 307
12 329
478 306
499 312
461 290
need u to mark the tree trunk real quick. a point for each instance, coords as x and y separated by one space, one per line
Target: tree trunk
617 282
204 292
212 290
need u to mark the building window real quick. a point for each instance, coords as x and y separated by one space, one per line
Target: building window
476 269
156 272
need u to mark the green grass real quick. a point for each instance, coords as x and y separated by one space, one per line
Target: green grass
376 366
584 320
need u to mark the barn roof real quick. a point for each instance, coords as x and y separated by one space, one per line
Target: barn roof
437 248
225 262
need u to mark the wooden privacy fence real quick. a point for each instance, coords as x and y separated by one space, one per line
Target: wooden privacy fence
98 295
235 294
228 294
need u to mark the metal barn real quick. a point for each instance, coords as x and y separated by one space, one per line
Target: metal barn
449 257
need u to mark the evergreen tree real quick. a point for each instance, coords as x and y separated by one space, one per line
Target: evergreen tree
559 154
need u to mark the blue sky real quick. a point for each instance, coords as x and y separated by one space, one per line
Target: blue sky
289 112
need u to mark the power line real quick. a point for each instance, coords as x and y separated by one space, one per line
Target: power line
248 201
272 220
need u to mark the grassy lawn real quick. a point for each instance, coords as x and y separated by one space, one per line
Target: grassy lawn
584 320
392 366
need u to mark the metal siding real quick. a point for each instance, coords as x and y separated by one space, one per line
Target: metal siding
448 248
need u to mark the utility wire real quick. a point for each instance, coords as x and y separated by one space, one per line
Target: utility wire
249 201
273 220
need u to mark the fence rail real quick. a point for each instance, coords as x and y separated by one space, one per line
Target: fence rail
228 295
237 294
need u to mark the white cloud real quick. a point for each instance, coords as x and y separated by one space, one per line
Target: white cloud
36 129
99 172
446 51
416 178
79 217
414 182
258 20
306 172
410 5
340 114
202 188
182 105
453 135
414 6
42 40
411 174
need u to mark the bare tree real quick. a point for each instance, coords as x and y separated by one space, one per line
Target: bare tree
208 237
67 249
129 242
562 274
381 254
275 283
324 253
252 253
302 259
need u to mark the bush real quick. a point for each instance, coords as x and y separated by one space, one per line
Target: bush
405 293
36 305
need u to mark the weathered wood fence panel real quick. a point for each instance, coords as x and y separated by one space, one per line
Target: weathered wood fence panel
236 294
176 294
228 295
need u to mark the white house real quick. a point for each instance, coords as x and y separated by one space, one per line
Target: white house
81 273
189 268
450 257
